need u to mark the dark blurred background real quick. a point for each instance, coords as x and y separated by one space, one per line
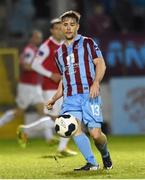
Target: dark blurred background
99 17
118 26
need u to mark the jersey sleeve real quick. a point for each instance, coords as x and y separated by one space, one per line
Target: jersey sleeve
58 64
27 56
94 50
41 56
43 53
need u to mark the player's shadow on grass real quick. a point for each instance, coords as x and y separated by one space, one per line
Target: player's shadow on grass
74 174
51 156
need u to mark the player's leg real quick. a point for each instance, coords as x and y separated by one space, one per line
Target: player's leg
63 148
23 99
48 132
48 129
92 116
40 108
22 104
83 143
63 142
42 123
10 115
100 141
37 100
34 97
72 105
47 124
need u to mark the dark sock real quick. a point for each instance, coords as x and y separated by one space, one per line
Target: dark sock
102 149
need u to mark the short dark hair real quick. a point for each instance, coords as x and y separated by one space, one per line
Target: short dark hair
71 14
54 21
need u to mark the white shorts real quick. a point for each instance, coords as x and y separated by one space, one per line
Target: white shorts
28 95
57 106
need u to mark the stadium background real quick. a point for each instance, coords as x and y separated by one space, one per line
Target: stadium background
117 26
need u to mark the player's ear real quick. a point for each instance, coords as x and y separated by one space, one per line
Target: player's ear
51 30
78 26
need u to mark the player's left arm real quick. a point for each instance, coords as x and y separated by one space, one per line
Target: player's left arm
27 58
100 68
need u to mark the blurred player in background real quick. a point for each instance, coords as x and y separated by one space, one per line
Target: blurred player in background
29 90
45 64
82 67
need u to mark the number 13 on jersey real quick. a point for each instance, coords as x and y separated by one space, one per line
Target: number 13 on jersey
95 109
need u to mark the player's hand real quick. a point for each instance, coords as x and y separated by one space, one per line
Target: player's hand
94 89
50 104
55 77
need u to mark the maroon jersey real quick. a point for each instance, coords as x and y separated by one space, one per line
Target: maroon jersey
76 65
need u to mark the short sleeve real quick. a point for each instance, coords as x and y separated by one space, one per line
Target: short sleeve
43 52
95 52
28 56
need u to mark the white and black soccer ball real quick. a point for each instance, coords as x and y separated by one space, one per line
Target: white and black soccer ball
66 125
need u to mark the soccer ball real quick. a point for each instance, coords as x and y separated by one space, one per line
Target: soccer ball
66 125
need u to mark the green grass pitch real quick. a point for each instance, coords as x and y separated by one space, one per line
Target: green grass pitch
37 161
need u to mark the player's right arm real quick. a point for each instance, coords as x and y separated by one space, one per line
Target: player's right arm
37 64
57 95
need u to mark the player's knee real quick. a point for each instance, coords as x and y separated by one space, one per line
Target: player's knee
40 109
79 130
96 134
40 112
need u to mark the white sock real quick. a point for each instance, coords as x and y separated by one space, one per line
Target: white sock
62 143
7 117
49 129
48 134
42 123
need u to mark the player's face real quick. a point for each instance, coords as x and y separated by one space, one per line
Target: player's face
69 28
37 38
56 31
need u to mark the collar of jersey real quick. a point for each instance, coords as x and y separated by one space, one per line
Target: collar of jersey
55 41
78 36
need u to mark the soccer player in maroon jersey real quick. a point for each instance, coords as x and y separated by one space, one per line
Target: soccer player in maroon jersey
82 66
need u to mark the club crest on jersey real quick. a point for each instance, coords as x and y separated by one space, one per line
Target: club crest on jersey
27 55
70 59
96 48
40 53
